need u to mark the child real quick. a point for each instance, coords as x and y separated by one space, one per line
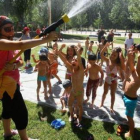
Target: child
53 66
42 50
86 45
90 51
64 98
70 53
131 85
94 79
99 49
42 67
77 77
115 63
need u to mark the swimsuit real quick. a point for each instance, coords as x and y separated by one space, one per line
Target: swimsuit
89 52
42 78
77 93
53 68
111 76
69 74
99 55
65 98
130 104
92 85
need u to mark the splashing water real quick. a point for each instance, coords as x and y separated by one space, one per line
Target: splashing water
81 6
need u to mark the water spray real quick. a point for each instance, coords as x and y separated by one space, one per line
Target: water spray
53 26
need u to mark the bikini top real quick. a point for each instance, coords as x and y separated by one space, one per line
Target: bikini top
111 73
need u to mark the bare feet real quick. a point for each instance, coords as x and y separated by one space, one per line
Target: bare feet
46 97
85 101
127 135
63 111
70 119
112 111
101 106
91 105
38 99
50 91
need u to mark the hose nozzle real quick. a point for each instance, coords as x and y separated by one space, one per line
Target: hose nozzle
65 18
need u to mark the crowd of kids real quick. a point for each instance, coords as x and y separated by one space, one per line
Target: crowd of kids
76 68
116 68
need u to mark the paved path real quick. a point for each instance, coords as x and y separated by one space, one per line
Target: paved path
28 89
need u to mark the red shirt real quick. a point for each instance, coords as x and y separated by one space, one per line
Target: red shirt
6 56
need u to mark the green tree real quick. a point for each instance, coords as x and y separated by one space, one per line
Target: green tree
134 8
119 15
97 23
21 8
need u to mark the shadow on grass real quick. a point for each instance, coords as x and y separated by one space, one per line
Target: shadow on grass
82 133
136 135
46 113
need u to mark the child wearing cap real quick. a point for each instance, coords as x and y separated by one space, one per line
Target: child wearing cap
13 107
65 96
27 53
42 67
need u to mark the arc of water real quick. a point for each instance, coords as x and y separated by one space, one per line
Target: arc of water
81 6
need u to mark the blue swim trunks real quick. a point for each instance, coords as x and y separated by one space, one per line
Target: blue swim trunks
42 78
130 105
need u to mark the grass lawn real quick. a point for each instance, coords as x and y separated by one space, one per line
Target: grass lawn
118 40
43 131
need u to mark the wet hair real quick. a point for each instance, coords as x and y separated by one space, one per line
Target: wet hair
118 50
74 53
92 57
43 57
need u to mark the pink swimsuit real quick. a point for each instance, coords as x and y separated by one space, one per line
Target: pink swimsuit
111 76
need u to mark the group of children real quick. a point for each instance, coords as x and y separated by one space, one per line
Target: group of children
76 69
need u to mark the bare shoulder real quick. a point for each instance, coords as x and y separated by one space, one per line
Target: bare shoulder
98 67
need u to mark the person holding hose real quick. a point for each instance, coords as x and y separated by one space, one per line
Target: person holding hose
13 106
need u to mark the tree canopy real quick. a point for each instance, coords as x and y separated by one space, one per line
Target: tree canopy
121 14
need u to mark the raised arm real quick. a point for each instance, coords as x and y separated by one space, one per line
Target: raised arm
63 58
103 51
123 67
131 60
97 49
102 75
25 44
77 49
62 47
